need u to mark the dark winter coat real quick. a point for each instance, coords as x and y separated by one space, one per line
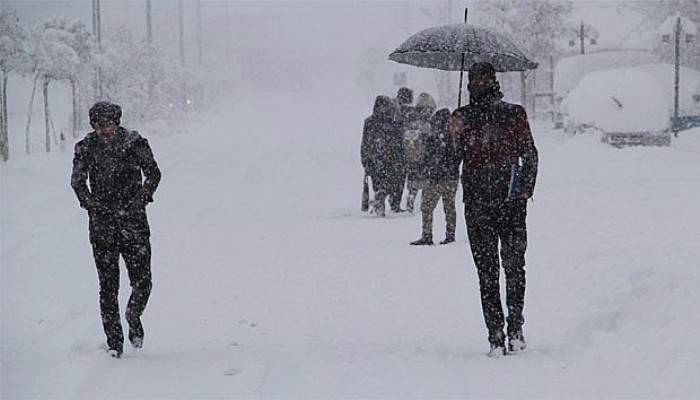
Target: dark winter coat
490 136
117 194
441 162
381 152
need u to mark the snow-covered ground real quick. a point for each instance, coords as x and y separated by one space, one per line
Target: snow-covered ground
269 282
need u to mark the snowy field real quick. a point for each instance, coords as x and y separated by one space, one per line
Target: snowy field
269 282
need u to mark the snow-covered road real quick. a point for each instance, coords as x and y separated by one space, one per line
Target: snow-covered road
269 282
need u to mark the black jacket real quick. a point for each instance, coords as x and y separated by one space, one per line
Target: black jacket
441 159
491 137
117 194
381 151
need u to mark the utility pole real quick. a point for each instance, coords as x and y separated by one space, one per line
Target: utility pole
149 23
582 36
94 17
551 85
228 35
182 33
676 75
149 39
199 33
677 25
97 31
182 53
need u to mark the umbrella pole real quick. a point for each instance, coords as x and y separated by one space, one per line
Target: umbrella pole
461 70
461 78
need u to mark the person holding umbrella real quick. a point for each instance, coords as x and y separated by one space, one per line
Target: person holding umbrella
494 141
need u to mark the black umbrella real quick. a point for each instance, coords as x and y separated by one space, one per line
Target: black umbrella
456 47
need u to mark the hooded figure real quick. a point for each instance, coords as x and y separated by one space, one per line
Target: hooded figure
114 161
381 153
441 169
494 141
404 101
404 96
416 131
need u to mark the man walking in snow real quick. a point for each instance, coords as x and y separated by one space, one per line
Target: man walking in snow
494 141
114 160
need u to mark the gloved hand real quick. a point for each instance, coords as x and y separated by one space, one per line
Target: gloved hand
140 200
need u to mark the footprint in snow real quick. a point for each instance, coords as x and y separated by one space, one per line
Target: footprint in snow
233 371
245 322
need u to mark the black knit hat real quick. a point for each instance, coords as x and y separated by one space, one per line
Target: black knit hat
405 95
105 111
482 70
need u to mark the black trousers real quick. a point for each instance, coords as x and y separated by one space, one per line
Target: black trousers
385 187
487 226
137 257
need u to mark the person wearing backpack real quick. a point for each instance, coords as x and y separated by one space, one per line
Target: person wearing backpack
416 130
442 177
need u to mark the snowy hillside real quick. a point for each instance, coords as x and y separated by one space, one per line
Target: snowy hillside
269 282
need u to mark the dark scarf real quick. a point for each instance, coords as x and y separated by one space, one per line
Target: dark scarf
487 97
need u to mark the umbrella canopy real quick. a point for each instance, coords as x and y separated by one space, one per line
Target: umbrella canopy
442 48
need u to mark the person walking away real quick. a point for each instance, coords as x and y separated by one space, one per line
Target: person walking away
494 141
404 99
442 173
381 153
113 159
415 133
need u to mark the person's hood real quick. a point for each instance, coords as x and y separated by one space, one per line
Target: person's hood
404 96
384 108
425 106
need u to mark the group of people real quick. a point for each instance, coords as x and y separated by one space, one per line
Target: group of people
115 176
492 141
406 145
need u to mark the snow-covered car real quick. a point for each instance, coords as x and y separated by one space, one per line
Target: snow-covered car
570 70
629 106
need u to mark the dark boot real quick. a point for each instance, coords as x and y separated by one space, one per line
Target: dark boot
135 330
410 201
516 341
380 210
449 238
423 241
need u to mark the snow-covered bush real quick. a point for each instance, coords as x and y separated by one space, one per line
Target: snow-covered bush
15 51
136 75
